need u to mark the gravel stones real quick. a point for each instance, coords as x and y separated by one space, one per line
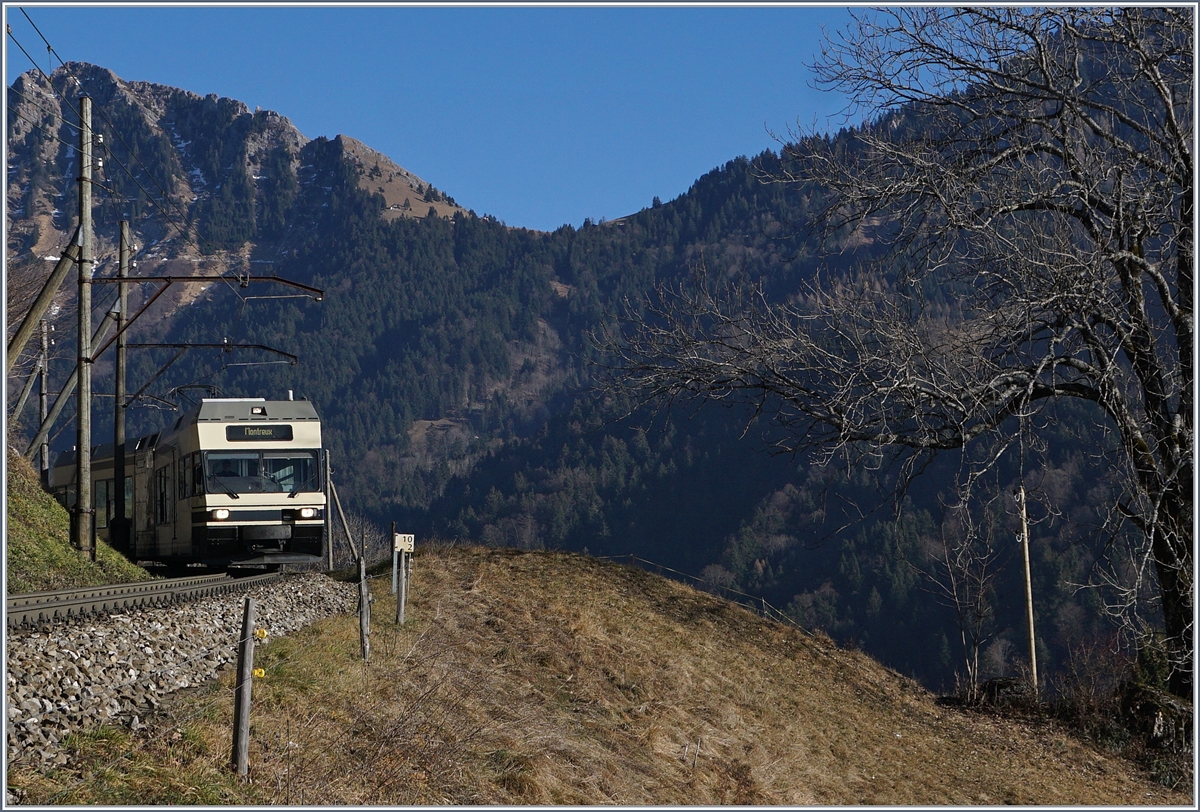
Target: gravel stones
73 677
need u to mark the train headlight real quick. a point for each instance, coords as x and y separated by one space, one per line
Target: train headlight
220 514
308 513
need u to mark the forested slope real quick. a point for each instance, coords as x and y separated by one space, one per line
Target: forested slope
451 363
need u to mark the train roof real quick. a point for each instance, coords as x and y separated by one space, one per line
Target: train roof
217 410
225 410
250 409
106 450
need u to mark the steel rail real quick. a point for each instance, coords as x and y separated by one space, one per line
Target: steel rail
37 608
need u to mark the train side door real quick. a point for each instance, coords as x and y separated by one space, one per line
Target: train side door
143 505
162 495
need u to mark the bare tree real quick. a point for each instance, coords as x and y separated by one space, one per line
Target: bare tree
373 541
965 565
1028 204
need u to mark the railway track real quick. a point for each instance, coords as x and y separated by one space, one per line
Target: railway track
37 608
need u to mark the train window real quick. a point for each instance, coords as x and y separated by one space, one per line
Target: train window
197 474
292 470
162 493
128 497
103 502
236 472
185 476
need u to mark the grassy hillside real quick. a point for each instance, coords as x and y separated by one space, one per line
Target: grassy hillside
552 678
39 555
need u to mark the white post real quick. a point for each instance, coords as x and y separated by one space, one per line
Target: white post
1028 589
395 558
402 550
402 597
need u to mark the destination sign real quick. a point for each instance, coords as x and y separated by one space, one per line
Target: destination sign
238 434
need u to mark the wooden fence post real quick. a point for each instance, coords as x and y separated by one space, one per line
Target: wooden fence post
241 696
364 610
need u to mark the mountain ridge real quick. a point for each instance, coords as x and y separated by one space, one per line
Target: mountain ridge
152 117
452 364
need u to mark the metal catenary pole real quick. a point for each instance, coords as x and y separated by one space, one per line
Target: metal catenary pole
84 512
119 526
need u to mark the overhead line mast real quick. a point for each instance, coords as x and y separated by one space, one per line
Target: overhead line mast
84 509
119 524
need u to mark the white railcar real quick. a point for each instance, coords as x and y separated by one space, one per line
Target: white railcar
234 481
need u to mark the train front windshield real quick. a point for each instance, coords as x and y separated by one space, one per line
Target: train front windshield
261 471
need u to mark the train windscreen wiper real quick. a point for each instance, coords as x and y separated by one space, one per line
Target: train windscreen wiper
298 488
224 487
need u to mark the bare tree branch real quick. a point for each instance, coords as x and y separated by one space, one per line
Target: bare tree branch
1022 215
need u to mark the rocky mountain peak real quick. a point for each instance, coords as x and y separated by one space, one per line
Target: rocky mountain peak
202 178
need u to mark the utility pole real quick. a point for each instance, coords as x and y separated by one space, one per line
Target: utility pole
1028 588
119 526
43 401
84 511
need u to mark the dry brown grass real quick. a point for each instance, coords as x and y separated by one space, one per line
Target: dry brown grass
546 678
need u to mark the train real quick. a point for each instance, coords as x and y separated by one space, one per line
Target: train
235 482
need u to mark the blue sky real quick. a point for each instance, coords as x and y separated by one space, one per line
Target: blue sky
538 116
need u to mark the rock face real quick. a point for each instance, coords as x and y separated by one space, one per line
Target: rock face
233 173
114 669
